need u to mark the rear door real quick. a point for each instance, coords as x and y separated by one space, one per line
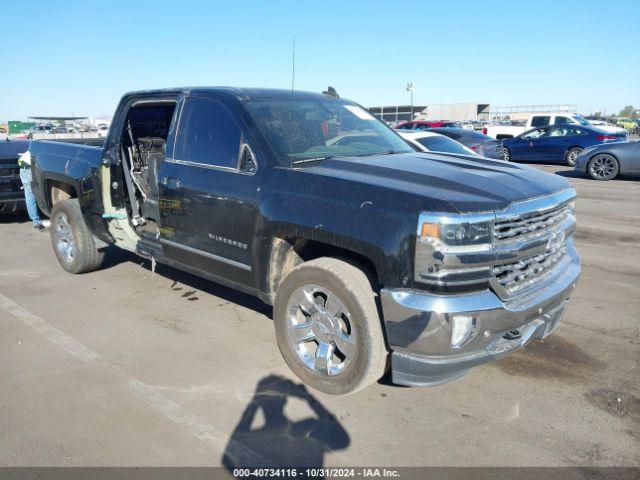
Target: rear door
208 191
556 143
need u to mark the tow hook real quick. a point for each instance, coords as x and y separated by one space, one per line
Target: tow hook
512 335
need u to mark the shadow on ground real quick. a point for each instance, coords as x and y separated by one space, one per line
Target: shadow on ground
14 217
265 431
189 283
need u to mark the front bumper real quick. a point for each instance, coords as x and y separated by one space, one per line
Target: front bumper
583 160
418 325
10 205
11 192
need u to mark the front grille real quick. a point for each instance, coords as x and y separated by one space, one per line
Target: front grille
513 228
518 275
9 187
9 172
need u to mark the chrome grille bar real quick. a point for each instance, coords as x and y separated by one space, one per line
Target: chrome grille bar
525 224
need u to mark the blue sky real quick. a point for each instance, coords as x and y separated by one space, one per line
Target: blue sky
72 57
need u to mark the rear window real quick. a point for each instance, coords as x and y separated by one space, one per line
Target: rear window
463 135
562 120
450 134
442 144
540 121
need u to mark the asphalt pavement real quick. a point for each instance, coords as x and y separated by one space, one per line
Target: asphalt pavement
125 367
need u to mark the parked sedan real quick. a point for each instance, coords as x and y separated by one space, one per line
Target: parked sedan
556 143
425 124
605 162
483 145
434 142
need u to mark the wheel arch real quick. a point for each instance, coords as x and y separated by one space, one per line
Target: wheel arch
287 252
606 152
58 190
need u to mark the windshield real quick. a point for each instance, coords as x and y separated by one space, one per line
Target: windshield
300 131
444 144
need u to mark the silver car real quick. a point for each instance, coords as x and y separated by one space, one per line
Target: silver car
606 161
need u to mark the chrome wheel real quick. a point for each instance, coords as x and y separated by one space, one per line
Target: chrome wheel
63 238
506 154
603 167
572 156
320 330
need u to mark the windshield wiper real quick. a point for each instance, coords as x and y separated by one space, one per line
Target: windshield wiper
319 159
313 159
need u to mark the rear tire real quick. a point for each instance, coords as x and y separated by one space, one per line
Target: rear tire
328 328
506 154
71 239
572 156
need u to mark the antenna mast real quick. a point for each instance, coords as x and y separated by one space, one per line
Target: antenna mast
293 63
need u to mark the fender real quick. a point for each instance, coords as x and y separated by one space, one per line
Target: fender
341 214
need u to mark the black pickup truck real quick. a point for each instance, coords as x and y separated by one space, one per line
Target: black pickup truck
373 255
11 192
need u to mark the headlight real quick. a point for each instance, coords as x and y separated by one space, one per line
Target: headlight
443 246
456 230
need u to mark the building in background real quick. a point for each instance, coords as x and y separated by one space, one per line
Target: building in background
445 111
17 126
396 113
456 112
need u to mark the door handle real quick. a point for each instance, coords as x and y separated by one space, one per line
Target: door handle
171 182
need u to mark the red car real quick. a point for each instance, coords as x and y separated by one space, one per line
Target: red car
425 124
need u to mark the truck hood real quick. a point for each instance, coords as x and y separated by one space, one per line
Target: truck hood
466 183
12 149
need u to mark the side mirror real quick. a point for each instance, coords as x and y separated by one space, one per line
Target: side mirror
247 160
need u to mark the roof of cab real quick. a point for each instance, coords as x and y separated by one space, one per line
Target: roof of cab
240 93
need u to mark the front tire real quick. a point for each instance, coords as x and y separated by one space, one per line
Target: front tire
71 239
571 157
603 167
328 328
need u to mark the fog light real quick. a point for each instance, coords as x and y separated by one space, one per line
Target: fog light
462 326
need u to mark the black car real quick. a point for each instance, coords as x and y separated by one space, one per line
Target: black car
482 144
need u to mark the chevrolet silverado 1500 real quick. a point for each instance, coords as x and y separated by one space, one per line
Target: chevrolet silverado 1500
374 256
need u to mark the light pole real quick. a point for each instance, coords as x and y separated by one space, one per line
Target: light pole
410 88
